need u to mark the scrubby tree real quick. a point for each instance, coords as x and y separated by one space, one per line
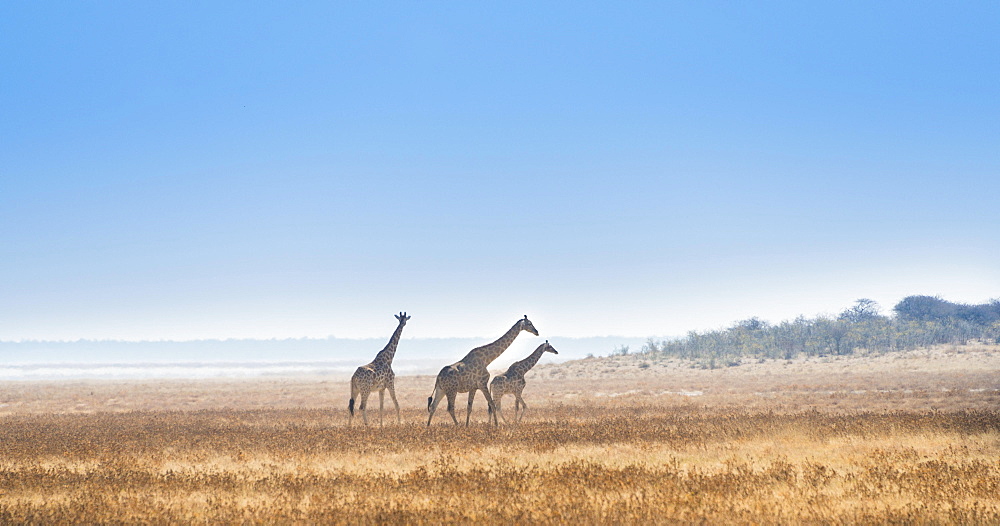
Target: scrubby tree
864 309
924 308
992 333
752 324
985 314
621 350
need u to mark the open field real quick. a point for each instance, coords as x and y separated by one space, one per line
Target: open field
911 438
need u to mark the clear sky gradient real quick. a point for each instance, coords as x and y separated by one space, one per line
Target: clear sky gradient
182 170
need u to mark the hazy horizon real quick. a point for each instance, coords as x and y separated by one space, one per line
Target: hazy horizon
334 357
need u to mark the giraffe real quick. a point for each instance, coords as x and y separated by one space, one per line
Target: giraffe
377 376
469 374
512 381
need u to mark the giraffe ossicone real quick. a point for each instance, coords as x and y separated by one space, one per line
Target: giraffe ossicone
512 381
470 374
377 376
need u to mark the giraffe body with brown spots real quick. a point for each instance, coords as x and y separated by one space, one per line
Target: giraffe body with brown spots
377 376
512 381
470 374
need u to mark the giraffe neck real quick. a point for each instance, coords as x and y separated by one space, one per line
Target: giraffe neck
385 355
487 353
525 365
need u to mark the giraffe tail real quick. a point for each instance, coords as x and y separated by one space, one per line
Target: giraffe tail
354 393
430 399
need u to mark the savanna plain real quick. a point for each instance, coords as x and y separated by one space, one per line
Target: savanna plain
908 437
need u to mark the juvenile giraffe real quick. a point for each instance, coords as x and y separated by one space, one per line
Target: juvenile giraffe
377 376
512 381
469 374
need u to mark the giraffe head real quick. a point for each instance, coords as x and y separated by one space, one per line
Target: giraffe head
549 348
402 317
526 325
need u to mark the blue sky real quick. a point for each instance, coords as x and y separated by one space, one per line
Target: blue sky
186 170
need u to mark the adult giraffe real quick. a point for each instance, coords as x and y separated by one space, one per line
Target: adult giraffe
377 376
469 374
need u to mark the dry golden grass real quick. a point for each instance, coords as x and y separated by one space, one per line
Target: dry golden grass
646 464
802 447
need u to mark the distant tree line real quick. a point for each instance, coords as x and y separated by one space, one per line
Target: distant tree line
916 321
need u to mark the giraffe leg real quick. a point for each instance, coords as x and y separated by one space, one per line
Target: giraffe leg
432 404
524 407
392 394
497 399
381 402
364 405
468 411
451 406
490 405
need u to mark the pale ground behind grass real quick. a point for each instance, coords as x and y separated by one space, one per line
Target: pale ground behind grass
922 379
